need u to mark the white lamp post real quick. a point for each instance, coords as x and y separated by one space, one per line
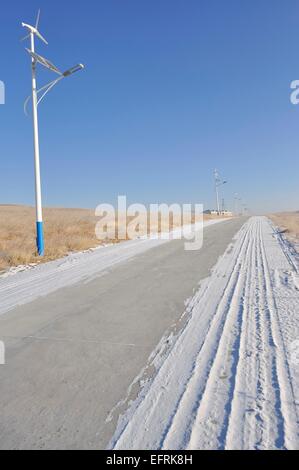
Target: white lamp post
237 203
35 59
218 183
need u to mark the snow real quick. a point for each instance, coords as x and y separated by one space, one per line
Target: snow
230 378
24 284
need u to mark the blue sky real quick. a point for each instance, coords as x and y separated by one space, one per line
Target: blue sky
172 89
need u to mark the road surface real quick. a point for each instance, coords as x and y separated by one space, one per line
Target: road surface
72 354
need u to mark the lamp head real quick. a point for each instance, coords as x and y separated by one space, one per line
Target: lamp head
72 70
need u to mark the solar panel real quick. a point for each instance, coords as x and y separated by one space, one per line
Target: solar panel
45 62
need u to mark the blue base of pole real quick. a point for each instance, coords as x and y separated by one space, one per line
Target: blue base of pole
40 238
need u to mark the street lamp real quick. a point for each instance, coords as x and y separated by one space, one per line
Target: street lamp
37 59
237 201
218 182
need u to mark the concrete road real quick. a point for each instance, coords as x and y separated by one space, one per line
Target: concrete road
71 356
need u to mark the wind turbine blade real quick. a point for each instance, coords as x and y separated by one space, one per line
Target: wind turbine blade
26 37
37 19
41 37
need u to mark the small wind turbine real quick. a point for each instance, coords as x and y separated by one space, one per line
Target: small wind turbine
36 99
34 30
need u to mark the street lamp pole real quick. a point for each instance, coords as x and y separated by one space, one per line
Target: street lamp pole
37 59
216 176
237 199
218 183
38 194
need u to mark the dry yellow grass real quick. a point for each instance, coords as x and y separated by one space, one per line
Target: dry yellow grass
66 230
288 221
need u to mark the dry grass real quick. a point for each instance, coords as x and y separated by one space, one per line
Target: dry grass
288 222
66 230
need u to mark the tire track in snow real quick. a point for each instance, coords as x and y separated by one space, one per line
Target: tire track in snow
226 383
282 383
256 408
268 396
189 343
210 428
270 413
240 428
197 388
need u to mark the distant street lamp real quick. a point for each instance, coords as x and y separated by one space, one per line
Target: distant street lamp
218 182
37 59
237 201
244 209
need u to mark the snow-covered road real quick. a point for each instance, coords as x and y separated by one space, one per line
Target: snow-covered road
78 331
230 381
25 284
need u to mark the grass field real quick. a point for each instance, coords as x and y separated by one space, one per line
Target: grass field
66 230
288 222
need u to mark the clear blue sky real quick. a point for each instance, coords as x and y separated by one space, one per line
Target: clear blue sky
172 89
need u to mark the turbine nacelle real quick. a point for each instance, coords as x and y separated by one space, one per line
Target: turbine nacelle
34 30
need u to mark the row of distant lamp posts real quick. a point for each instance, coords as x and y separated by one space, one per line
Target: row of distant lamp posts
240 208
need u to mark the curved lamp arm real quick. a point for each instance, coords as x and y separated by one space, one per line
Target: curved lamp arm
50 85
